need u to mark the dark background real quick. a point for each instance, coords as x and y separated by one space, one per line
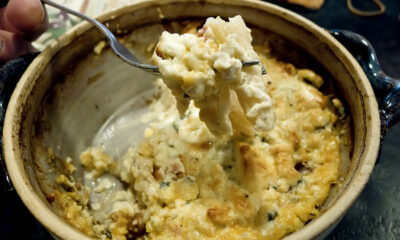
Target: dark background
376 213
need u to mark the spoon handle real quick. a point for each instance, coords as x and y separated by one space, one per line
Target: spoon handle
120 50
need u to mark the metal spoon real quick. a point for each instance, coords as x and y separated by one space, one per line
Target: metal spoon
119 49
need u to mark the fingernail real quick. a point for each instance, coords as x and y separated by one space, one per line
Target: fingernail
44 14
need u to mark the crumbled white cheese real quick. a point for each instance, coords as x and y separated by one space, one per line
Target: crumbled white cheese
205 67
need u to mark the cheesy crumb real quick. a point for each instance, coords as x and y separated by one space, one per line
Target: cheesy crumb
99 47
94 159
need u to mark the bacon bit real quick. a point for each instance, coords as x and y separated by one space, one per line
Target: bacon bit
156 173
206 145
50 198
300 166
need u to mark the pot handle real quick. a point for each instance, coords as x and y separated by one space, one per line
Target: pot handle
10 73
386 88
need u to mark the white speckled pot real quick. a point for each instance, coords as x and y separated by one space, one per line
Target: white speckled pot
68 93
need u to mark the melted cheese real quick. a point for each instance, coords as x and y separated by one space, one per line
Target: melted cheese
184 182
194 185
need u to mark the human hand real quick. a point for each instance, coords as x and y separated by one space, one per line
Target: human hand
21 22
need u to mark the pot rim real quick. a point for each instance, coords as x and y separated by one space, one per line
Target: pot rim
57 226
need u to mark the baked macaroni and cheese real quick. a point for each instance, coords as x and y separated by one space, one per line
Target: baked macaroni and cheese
250 156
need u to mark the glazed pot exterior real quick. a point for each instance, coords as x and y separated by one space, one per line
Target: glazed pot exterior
48 82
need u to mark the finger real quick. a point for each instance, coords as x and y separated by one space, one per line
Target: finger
12 45
25 17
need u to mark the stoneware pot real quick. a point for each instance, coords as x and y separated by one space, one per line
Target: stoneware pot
70 97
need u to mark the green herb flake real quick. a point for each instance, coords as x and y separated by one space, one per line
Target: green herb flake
190 179
175 126
299 182
272 215
164 184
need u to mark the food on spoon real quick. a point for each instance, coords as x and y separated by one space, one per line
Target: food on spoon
207 69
